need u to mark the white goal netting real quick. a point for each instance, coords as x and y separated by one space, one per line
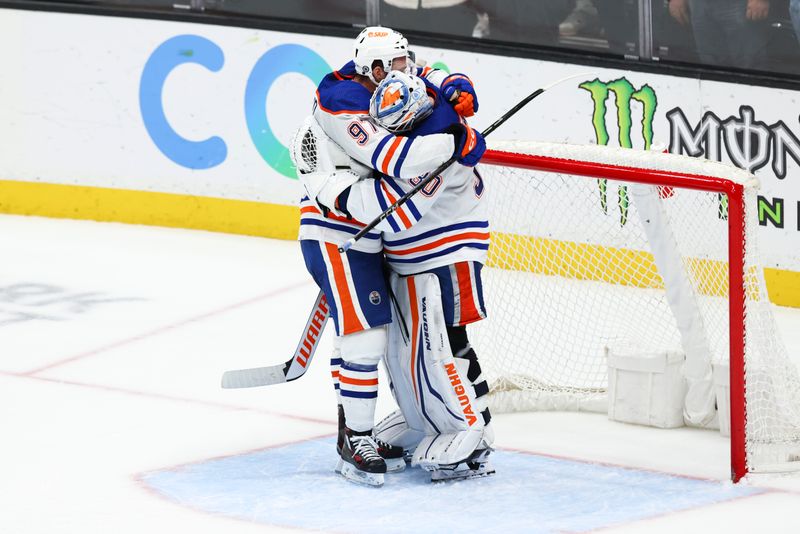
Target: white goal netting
577 266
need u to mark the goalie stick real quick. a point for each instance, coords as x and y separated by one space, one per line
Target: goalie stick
295 367
441 168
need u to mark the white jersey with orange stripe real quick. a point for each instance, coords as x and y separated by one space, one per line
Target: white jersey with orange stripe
445 223
341 108
394 155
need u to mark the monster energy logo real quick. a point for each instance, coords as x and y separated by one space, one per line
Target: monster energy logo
748 143
624 94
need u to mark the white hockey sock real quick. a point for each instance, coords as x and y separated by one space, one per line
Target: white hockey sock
336 363
358 388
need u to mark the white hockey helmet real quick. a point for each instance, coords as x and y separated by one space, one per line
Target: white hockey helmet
400 101
377 43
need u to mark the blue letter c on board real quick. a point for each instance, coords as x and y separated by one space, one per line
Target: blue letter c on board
171 53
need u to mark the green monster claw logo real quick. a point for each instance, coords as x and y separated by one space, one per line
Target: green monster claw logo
624 94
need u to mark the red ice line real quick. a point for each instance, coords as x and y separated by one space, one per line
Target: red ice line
153 395
163 329
32 373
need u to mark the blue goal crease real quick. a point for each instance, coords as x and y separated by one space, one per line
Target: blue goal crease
295 486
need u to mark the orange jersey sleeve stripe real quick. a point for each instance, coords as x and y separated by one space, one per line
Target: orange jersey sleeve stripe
389 154
400 213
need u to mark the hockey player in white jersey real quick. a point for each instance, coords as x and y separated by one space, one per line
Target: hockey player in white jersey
441 237
353 283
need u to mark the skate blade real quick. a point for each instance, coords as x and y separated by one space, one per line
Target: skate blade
395 465
352 474
467 474
339 466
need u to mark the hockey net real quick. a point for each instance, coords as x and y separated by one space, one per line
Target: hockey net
583 239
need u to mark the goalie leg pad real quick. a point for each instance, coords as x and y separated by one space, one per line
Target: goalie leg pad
431 386
394 430
438 450
451 457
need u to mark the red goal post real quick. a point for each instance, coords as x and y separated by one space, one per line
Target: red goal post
523 179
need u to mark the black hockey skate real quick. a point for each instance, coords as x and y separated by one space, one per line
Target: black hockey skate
360 461
476 466
393 456
340 436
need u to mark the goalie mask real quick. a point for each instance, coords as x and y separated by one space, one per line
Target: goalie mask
376 43
400 102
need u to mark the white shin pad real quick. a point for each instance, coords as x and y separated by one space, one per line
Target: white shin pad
430 386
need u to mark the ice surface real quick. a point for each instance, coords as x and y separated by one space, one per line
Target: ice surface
113 339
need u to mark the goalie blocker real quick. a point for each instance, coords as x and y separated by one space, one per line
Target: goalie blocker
444 419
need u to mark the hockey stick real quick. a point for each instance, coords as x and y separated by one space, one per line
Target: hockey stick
298 364
292 369
441 168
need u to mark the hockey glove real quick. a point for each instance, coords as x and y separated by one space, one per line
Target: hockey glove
469 144
459 91
325 188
